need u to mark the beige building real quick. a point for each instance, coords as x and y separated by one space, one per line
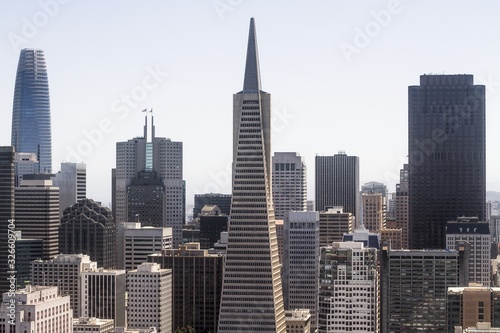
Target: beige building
93 325
289 183
395 236
478 328
279 236
333 224
298 321
135 243
467 306
36 309
373 211
149 302
63 271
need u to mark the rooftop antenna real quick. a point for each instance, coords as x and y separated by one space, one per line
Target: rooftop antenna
145 124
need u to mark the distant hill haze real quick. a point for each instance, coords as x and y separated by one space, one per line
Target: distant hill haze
492 196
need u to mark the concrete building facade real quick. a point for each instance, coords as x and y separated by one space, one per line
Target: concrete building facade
72 183
348 289
64 271
477 234
37 212
301 262
135 243
36 309
149 300
289 183
333 224
103 295
160 161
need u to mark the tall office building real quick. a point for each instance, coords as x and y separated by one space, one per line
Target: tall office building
103 295
65 272
447 155
414 285
72 183
401 206
135 243
7 206
37 212
477 234
333 224
301 262
348 289
337 183
88 228
148 168
289 183
36 309
31 131
196 285
149 298
252 298
373 211
223 201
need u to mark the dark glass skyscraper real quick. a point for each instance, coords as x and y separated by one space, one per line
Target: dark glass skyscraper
31 111
337 182
447 148
87 227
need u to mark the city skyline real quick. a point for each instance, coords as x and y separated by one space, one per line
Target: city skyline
326 98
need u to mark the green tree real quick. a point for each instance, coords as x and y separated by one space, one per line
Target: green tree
187 329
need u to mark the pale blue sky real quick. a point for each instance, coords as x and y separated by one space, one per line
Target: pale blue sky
323 100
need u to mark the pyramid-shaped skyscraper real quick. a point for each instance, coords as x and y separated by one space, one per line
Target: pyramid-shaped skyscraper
252 299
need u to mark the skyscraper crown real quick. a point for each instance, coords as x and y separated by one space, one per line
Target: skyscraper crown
252 72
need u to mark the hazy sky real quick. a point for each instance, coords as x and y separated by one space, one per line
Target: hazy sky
338 73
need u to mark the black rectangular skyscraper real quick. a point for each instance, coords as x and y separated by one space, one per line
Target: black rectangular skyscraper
447 148
337 182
